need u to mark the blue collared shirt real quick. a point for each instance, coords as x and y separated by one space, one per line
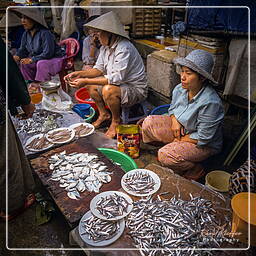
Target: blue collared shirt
39 47
201 116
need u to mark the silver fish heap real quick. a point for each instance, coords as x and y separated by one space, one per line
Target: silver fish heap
174 224
40 122
139 182
78 172
112 206
99 230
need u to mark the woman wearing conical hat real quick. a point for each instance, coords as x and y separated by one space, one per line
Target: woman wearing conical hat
192 131
39 55
118 78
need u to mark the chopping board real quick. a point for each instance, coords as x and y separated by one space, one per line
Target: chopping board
72 209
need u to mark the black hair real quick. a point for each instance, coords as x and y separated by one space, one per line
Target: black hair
93 17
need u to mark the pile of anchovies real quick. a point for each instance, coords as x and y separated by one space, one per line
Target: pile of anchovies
139 182
112 206
78 172
99 230
40 122
175 224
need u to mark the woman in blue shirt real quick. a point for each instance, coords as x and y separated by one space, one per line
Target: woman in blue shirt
39 55
192 130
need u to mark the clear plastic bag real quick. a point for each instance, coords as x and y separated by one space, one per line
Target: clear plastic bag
58 101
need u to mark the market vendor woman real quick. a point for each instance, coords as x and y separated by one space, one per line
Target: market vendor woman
192 132
118 78
39 56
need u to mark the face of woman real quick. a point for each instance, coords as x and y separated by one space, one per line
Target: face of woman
27 23
190 80
103 37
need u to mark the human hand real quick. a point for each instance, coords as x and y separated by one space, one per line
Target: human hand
177 128
72 76
77 83
26 61
16 58
28 110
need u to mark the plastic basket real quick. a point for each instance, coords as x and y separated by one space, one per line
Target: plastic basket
127 163
218 180
160 110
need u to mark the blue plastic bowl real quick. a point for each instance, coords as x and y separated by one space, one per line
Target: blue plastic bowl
82 109
160 110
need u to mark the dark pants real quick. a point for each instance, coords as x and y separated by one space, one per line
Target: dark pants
20 178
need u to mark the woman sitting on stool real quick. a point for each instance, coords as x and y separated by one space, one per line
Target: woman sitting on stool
39 56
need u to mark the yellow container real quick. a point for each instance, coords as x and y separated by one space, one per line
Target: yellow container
218 180
241 224
128 139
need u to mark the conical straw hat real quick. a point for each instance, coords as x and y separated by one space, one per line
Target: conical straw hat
13 20
33 13
108 22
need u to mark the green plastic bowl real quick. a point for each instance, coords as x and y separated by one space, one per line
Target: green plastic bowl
127 163
92 114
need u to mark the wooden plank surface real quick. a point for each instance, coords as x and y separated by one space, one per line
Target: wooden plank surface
176 186
73 210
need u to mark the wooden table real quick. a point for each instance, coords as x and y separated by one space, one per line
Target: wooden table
176 186
73 210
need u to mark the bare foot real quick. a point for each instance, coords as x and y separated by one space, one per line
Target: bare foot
111 132
101 119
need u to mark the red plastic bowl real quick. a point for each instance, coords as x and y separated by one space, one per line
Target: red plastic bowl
82 96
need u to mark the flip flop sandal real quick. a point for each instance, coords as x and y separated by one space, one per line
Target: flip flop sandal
29 200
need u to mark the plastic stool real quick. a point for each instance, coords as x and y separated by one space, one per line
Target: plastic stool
128 111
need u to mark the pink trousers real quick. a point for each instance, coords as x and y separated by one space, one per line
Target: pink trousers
179 156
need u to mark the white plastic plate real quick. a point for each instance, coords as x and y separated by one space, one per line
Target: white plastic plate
85 236
73 126
39 136
135 193
97 198
72 135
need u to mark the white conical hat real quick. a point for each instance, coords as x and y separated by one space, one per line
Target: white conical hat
13 20
108 22
33 13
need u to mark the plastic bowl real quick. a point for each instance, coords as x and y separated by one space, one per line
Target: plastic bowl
240 203
160 110
92 114
127 163
82 96
218 180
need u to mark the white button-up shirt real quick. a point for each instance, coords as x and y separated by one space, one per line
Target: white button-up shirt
121 64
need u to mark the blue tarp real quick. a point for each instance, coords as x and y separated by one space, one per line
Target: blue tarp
222 19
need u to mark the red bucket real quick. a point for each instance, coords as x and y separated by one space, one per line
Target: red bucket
82 96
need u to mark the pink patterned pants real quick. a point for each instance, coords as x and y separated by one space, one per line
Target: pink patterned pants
179 156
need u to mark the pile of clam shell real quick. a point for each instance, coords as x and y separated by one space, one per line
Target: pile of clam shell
78 172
